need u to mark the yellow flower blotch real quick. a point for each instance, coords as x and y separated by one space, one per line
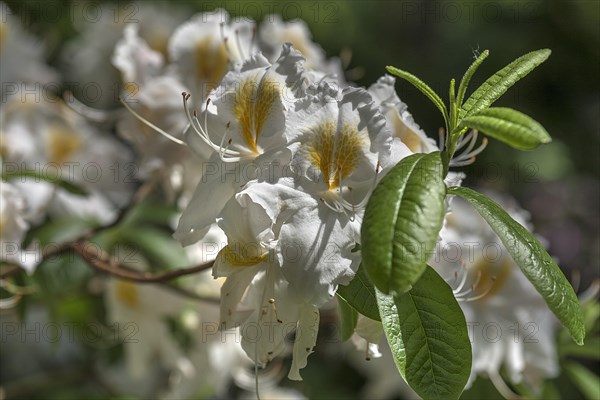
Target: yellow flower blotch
237 258
252 106
336 155
211 62
62 144
127 293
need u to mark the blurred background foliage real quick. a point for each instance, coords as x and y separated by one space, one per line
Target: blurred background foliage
436 40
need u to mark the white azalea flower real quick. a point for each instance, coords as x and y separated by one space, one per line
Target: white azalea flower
274 32
204 48
13 228
49 138
245 132
255 295
398 119
367 336
404 128
139 312
509 323
21 54
86 59
135 60
338 145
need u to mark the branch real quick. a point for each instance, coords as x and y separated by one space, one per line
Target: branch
101 264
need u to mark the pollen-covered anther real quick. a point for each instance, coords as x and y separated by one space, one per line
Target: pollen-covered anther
272 303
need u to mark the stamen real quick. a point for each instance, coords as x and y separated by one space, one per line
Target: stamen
151 125
464 140
462 282
90 113
225 154
253 40
239 44
272 303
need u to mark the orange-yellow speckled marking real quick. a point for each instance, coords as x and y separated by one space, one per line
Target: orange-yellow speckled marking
211 62
492 277
234 258
252 106
62 144
127 293
336 155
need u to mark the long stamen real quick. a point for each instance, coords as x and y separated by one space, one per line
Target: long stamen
462 282
202 131
239 44
93 114
468 158
151 125
464 140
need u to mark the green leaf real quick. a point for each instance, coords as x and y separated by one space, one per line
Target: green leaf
586 381
402 221
348 319
66 185
501 81
509 126
590 350
427 333
464 83
360 295
423 87
534 261
151 213
158 246
60 230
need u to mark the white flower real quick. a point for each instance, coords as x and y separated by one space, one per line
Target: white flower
13 228
509 323
245 132
398 119
273 33
21 54
49 138
255 295
86 59
405 129
366 337
135 60
139 312
338 145
204 48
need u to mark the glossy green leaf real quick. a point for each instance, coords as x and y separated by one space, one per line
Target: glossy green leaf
156 245
348 319
586 381
464 83
37 177
502 80
423 87
427 333
402 221
360 295
509 126
590 350
60 230
534 261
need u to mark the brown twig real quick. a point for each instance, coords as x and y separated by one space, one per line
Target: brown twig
102 264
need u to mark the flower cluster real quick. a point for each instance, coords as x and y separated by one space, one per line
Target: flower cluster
266 157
